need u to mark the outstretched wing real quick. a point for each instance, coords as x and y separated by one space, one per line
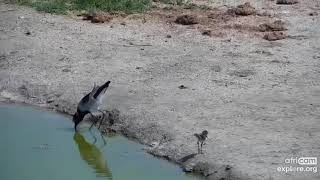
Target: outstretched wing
93 92
101 90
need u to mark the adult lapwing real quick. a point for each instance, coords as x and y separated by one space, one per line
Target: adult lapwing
89 104
200 139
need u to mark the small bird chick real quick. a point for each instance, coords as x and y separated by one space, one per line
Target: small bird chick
200 140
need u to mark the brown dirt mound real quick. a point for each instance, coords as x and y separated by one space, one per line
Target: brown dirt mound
274 26
274 36
243 10
100 17
287 1
186 20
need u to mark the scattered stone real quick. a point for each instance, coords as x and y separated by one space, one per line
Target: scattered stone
216 68
313 14
123 23
243 73
3 57
263 52
287 2
182 87
275 61
274 26
186 20
66 70
28 33
168 36
274 36
144 20
206 32
243 10
50 101
23 90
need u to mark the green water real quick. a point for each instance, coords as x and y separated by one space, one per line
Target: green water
38 145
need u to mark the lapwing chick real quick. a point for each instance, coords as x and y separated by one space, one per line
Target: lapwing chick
200 140
89 104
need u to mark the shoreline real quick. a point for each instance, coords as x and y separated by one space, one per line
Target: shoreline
258 99
155 148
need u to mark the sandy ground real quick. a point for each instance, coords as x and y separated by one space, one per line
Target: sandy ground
259 100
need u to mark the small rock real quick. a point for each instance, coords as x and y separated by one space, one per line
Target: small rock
186 20
3 57
66 70
206 32
144 20
243 73
50 101
274 26
228 167
182 87
216 68
123 23
28 33
313 14
155 144
274 36
287 2
138 67
168 36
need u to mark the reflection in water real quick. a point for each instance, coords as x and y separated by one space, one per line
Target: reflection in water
92 155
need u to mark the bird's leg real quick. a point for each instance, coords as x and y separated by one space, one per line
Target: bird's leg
201 148
198 147
104 141
102 118
95 122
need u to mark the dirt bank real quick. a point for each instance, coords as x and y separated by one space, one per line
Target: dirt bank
259 100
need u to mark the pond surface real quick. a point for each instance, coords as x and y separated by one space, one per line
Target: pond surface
38 145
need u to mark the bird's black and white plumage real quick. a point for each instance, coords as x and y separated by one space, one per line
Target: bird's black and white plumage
200 139
90 103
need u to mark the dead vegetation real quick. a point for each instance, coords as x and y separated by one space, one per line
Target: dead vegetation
186 20
288 2
277 25
243 10
274 36
211 22
99 17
